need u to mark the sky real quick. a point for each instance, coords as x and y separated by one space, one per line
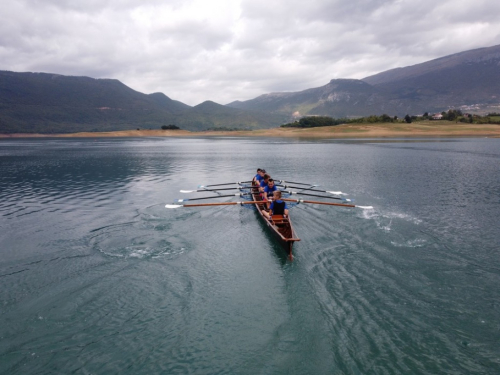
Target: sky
226 50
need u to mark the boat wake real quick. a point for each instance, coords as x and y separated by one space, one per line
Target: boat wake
401 230
414 243
384 219
144 238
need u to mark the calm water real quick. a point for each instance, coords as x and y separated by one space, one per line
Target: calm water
97 277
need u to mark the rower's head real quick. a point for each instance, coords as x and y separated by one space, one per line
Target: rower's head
258 170
266 177
277 195
270 182
262 172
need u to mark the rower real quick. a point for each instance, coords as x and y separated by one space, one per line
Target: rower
259 176
269 191
263 183
278 207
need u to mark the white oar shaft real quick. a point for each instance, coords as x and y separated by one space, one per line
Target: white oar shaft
328 203
317 202
212 204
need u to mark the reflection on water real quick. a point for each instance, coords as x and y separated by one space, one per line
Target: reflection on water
98 277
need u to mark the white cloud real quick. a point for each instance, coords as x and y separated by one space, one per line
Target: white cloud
225 50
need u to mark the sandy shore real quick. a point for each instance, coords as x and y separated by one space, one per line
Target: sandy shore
417 130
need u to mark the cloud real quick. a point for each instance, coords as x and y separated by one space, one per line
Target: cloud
225 50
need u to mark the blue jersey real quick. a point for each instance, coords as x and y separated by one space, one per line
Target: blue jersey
258 178
280 203
269 190
263 183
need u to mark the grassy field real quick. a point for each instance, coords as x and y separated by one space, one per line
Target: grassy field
382 130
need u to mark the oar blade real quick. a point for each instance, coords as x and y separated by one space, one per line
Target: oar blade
188 191
173 205
365 207
337 193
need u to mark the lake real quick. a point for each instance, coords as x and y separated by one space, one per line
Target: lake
98 277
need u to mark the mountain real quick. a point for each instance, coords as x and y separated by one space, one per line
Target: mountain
52 103
471 77
464 78
488 58
164 101
339 98
212 115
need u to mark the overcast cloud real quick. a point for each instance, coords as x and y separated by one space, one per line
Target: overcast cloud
225 50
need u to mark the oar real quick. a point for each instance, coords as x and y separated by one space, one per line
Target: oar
285 191
291 182
213 204
310 189
328 203
315 195
295 187
205 189
213 196
202 190
228 183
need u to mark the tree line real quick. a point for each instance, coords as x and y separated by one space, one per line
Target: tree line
317 121
450 115
458 116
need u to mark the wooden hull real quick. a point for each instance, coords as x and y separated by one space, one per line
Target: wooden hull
283 231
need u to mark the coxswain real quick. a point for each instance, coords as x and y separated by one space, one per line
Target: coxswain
278 207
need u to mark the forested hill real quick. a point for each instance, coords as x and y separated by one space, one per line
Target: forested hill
52 103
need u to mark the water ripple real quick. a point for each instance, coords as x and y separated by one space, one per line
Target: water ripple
99 277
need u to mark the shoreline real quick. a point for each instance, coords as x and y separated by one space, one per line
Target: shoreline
389 130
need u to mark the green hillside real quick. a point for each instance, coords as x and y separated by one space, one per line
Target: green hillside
51 103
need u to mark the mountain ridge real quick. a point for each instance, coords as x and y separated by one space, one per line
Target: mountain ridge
54 103
466 78
431 65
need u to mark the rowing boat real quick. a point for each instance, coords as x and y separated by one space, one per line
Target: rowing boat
280 226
